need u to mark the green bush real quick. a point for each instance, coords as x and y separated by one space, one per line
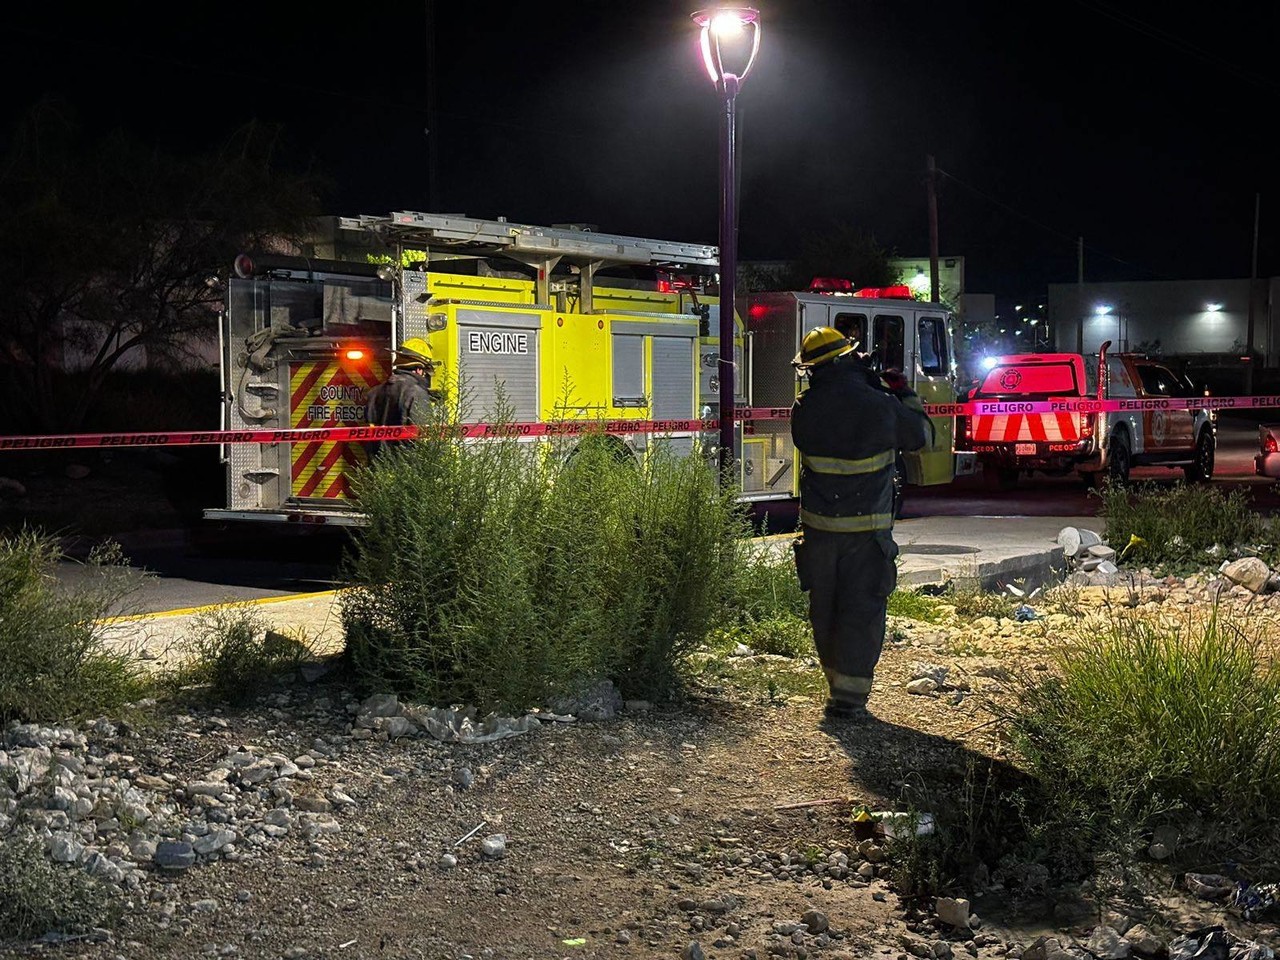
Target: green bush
1145 723
914 605
765 587
504 573
39 897
58 658
972 602
1176 525
230 649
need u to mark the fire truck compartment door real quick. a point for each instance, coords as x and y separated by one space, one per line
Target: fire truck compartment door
498 354
673 360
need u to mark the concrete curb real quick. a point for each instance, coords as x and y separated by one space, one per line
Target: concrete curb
1028 570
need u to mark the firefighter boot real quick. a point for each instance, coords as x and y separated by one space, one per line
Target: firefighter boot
848 700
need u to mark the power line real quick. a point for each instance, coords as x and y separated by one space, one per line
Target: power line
1179 43
1048 229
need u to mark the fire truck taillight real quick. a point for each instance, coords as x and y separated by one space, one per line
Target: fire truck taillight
353 354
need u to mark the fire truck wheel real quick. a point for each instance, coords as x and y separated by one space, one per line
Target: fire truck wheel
1119 459
1200 470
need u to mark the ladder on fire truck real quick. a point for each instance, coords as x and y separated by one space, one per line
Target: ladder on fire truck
541 248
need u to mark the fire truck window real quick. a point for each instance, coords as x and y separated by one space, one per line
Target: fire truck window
853 326
888 345
933 346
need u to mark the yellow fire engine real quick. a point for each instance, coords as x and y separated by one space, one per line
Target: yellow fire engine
550 323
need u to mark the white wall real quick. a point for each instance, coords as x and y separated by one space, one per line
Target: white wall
1173 312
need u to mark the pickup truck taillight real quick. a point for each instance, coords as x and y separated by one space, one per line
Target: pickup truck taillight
1269 445
1086 425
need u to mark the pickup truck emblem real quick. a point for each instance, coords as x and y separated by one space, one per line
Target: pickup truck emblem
1010 379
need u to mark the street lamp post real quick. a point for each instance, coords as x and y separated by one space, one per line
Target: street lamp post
724 30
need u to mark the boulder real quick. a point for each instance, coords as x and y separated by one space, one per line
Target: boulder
1249 572
1069 541
952 911
1106 944
1144 942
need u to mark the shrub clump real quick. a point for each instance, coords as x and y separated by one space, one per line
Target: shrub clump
231 650
1176 525
57 656
972 602
39 897
1144 723
507 574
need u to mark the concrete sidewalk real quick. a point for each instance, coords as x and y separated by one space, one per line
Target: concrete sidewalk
991 551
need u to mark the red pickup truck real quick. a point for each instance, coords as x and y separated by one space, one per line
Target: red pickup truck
1087 444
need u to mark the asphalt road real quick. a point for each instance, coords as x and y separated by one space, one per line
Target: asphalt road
211 563
1039 495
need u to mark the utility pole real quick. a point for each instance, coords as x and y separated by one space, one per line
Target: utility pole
931 183
433 137
1080 295
1253 284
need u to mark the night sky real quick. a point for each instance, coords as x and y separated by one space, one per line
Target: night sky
1147 135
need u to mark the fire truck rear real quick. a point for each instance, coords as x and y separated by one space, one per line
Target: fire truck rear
517 318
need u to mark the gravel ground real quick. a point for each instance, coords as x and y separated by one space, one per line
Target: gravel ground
716 827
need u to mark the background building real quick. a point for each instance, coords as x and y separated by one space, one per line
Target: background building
1199 325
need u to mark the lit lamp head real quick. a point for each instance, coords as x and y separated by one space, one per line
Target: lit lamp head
734 31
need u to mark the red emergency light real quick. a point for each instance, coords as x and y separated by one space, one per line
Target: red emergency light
899 292
1270 445
821 284
353 354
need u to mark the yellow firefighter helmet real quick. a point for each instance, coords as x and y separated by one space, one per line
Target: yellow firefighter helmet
414 352
820 345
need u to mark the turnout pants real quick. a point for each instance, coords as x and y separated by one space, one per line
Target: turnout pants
848 577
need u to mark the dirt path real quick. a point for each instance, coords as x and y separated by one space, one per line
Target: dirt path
706 823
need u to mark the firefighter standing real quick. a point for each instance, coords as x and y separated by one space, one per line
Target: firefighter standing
405 397
848 427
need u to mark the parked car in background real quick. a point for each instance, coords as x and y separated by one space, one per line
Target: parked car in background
1267 462
1090 445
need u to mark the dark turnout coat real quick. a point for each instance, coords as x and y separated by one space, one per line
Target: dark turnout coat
848 428
401 400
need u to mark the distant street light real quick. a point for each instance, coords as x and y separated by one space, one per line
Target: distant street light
1104 309
725 31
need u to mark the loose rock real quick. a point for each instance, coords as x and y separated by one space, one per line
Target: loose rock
953 911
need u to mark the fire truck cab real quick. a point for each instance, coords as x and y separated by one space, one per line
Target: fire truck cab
893 330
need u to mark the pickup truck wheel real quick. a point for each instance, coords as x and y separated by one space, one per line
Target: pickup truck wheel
1119 459
1200 470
